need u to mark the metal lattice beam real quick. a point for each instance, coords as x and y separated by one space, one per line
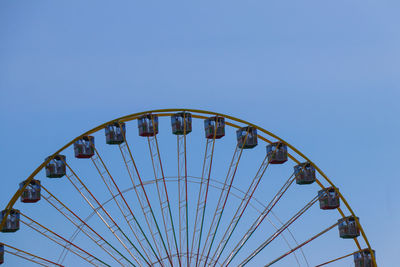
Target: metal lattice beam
301 245
84 227
259 220
202 198
101 212
163 197
278 232
241 209
143 199
125 209
222 201
58 239
29 256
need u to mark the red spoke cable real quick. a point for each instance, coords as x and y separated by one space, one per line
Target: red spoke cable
89 198
30 257
220 206
277 233
200 211
241 209
71 246
259 220
167 218
345 256
301 245
81 224
146 198
114 185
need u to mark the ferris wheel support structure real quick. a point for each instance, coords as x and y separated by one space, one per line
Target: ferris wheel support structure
222 200
85 228
202 196
163 196
183 193
29 256
101 212
172 242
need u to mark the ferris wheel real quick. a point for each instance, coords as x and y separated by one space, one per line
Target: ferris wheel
180 187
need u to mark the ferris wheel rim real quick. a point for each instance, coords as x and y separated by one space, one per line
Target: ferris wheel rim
170 111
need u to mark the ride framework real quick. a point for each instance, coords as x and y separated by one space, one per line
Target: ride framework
185 188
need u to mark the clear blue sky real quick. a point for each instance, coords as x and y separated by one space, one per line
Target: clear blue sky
323 75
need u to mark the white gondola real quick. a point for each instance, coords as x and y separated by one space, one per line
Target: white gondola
55 168
247 142
12 221
148 125
328 198
114 134
31 194
363 258
214 125
84 147
277 153
304 173
348 227
181 123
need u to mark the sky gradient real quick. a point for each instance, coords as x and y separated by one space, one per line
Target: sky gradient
323 75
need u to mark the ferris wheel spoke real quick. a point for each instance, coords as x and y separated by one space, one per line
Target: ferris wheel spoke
223 198
220 186
287 242
301 245
125 209
213 241
163 196
29 256
202 197
285 239
339 258
183 197
259 220
101 212
241 209
184 254
278 232
143 199
243 205
84 227
62 241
